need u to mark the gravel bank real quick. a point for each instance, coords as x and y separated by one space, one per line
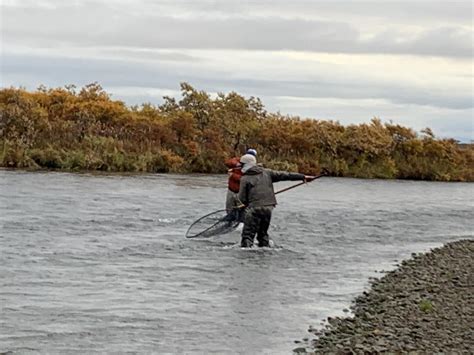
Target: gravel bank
424 306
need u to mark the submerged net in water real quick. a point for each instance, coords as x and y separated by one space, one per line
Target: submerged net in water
215 223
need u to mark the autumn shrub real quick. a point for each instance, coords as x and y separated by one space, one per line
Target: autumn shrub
12 155
84 129
49 158
282 165
74 160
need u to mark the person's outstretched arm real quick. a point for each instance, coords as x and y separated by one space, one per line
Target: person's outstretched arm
284 176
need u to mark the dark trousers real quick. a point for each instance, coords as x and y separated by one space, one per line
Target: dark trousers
256 221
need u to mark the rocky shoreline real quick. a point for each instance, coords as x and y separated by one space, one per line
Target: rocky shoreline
424 306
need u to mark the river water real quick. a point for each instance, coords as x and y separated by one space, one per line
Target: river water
99 263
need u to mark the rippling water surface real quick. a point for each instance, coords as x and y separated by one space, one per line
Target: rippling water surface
99 263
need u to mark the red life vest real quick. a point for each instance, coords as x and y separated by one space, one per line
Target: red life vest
234 179
235 173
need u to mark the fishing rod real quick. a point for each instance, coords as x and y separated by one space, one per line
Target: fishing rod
301 183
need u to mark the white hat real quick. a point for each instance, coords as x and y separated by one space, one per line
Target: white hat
248 159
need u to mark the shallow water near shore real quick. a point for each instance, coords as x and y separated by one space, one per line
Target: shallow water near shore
99 263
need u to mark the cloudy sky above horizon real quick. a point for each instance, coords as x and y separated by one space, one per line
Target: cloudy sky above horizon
410 62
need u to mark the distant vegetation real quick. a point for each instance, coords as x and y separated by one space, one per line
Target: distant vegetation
84 129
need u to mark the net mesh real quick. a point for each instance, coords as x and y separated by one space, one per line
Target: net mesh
215 223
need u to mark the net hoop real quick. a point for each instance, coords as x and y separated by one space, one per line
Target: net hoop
214 223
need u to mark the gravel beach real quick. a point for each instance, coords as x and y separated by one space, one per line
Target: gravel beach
424 306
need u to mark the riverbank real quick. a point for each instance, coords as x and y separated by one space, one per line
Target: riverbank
73 130
425 305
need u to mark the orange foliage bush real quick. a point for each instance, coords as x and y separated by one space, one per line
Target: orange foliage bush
66 128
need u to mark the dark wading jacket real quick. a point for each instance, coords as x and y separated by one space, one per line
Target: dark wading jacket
256 185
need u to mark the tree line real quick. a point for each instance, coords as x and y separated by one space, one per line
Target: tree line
85 129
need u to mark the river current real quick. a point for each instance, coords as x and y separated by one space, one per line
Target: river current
99 263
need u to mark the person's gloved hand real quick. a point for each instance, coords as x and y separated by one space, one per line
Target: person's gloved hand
308 178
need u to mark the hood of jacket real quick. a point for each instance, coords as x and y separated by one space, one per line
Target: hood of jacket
253 170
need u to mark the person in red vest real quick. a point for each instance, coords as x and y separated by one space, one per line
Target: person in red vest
235 173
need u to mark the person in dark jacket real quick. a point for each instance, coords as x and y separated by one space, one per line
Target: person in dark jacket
257 194
235 173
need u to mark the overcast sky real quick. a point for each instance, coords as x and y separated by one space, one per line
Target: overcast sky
408 61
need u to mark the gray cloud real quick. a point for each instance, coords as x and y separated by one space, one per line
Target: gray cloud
109 26
45 70
414 11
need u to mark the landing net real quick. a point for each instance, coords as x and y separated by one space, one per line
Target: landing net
215 223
